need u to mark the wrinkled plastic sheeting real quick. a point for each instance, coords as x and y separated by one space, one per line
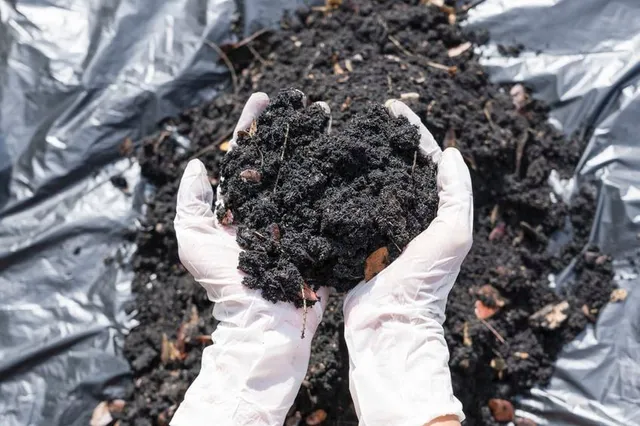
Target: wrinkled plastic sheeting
78 78
583 58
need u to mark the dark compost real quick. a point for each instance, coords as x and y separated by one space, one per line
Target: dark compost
505 323
311 207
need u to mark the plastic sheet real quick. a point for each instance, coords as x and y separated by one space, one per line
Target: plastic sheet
79 77
582 59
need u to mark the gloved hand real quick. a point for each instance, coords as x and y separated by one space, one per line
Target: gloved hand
252 372
399 373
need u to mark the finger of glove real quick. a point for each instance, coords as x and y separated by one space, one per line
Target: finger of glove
256 103
325 107
427 141
207 252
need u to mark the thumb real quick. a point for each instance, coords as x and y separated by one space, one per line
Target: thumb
195 197
448 239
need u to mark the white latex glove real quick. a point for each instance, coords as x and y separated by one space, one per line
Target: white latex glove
252 372
399 373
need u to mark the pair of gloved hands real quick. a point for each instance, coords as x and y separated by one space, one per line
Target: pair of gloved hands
398 356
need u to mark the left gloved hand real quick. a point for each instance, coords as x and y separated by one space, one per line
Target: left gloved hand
252 372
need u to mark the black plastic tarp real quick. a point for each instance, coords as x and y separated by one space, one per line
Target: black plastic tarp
78 77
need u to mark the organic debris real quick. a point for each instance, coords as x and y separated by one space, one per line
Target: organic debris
316 418
551 316
618 295
501 410
375 263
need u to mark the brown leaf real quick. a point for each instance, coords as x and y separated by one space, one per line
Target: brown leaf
316 417
551 316
309 294
466 337
501 410
375 263
618 295
101 415
519 97
458 50
450 139
483 311
224 146
250 175
497 232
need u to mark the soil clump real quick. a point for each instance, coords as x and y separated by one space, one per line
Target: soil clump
311 207
505 323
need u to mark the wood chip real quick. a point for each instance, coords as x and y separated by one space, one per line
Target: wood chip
410 96
316 417
101 415
224 146
551 316
519 97
618 295
495 214
501 410
466 337
169 352
450 139
250 175
458 50
375 263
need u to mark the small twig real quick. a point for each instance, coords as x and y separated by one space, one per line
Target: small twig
249 39
225 59
395 41
393 240
389 84
260 235
226 135
284 147
304 315
413 167
440 66
310 66
256 55
493 330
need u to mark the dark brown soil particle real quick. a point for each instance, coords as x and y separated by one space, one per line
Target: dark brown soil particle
360 53
311 207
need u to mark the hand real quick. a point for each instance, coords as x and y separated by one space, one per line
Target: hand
399 373
252 372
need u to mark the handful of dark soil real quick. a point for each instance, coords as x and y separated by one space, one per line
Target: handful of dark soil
312 207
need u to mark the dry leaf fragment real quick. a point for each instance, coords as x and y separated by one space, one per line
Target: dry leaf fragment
316 417
224 146
519 97
346 104
618 295
450 138
466 337
521 355
253 129
337 69
309 294
501 410
101 415
410 96
551 316
348 65
483 311
458 50
492 294
250 175
375 263
169 352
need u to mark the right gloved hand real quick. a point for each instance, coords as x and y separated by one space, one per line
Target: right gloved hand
399 373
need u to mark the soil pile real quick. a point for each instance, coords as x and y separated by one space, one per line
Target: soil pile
311 207
505 323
